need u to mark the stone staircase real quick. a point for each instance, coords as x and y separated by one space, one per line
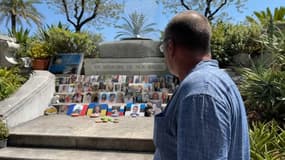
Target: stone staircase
64 137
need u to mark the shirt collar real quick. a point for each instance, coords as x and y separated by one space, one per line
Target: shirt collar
204 63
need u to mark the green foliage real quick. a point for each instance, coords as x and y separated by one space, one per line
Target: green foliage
4 132
229 40
263 86
14 10
135 26
22 37
263 17
38 49
10 81
264 93
65 41
267 141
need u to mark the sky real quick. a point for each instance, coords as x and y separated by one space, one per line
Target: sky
153 12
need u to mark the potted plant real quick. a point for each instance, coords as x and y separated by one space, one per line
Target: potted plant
40 52
4 132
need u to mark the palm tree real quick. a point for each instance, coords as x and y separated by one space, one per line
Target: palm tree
264 17
14 10
135 26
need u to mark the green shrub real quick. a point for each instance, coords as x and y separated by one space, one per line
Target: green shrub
263 84
267 141
65 41
264 93
4 132
10 81
229 40
37 49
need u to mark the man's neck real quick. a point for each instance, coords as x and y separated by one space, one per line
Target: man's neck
185 69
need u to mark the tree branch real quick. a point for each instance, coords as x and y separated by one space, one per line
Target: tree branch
75 10
67 14
82 9
97 4
184 5
208 8
211 16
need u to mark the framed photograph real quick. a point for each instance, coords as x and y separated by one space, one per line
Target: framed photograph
79 87
77 98
129 98
137 79
73 78
77 109
135 110
145 79
94 78
95 86
146 97
156 95
136 87
102 86
138 97
152 78
87 79
122 79
87 97
103 98
96 110
157 106
63 88
95 97
115 78
109 86
117 87
147 87
164 96
129 79
67 63
120 97
112 97
115 110
71 88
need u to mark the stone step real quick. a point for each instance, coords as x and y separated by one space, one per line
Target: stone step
61 131
67 154
81 142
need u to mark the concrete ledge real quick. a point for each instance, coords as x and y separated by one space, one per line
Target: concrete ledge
80 142
65 154
30 101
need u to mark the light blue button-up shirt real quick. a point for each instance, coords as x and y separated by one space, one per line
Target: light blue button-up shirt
205 120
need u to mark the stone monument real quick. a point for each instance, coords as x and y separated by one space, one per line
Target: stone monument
8 48
133 56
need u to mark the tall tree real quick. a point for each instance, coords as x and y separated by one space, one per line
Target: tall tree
210 8
135 26
81 12
15 10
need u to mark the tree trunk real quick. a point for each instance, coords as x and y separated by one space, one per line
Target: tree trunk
77 28
13 23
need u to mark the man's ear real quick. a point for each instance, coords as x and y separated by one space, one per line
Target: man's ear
171 48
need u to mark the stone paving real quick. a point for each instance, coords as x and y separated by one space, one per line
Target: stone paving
139 128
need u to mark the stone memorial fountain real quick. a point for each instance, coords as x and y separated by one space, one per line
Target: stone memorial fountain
132 56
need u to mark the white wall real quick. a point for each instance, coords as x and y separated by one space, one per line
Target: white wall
30 101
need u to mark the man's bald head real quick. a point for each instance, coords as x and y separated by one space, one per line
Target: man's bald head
190 30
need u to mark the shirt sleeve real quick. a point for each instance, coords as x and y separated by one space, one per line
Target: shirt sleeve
203 129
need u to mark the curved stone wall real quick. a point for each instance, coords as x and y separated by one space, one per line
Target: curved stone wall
30 100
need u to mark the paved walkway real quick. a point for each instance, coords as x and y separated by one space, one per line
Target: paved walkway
139 128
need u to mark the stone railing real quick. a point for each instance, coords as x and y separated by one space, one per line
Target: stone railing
30 100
